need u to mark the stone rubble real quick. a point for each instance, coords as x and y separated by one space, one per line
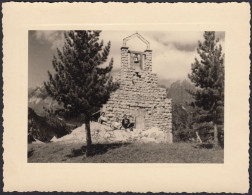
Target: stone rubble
104 134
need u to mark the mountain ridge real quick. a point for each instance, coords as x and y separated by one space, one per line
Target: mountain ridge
38 98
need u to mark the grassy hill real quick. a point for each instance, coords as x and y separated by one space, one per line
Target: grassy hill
71 148
60 152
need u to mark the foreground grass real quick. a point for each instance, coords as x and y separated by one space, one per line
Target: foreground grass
65 152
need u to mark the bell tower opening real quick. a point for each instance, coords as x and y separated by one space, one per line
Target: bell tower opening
136 60
139 61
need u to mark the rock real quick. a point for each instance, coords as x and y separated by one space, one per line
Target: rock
38 142
104 134
152 135
53 139
147 140
120 135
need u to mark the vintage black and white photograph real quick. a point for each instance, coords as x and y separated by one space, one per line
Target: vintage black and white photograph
125 96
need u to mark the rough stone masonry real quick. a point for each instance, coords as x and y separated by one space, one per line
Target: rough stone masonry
139 96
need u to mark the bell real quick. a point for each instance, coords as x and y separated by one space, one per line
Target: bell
136 59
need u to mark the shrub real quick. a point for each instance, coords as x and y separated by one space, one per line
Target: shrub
184 135
44 128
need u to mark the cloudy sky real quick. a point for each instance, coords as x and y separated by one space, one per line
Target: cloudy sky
173 52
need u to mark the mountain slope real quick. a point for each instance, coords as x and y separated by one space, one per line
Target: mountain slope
38 99
178 91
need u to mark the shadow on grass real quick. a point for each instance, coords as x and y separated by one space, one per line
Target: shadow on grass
30 153
97 149
204 145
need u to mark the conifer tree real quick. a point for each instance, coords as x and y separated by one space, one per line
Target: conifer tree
208 76
80 83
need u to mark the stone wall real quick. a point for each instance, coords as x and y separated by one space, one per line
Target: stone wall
139 96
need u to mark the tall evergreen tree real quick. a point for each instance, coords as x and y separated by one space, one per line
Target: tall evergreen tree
80 83
208 76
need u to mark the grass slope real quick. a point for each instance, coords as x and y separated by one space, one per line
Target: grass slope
66 152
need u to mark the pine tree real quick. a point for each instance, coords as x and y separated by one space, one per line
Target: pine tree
208 76
79 83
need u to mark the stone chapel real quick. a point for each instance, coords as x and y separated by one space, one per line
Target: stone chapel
139 96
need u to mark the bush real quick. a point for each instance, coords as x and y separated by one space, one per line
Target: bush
58 126
221 135
184 135
44 128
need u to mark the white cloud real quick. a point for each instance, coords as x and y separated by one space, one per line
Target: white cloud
173 52
55 38
182 37
169 61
